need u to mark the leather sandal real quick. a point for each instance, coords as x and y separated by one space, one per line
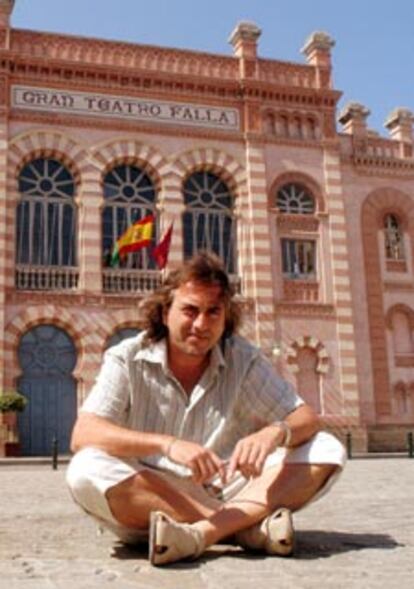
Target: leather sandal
274 535
170 541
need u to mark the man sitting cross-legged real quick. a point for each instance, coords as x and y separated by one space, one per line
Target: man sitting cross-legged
190 437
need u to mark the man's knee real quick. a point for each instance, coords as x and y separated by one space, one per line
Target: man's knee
79 483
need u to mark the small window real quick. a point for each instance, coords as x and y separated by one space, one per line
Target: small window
299 259
394 242
295 199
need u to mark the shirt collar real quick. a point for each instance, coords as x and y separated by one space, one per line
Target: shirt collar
156 353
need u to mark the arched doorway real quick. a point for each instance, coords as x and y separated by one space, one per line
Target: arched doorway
47 358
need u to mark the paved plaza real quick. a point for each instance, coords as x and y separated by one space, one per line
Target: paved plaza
361 535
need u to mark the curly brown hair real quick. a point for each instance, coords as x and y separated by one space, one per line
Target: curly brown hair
205 268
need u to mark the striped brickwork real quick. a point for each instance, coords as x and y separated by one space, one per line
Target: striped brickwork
255 250
374 209
347 369
4 245
90 330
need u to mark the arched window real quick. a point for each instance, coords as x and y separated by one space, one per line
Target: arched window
208 221
129 196
270 124
297 127
394 242
401 399
295 199
46 221
308 379
283 126
311 128
402 333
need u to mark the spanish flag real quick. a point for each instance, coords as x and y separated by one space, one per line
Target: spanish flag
136 237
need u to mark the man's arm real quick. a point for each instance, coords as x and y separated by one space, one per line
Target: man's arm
303 423
92 430
251 452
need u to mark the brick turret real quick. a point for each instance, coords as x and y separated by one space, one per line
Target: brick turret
244 40
317 51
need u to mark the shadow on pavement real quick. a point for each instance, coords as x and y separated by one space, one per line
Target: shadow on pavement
310 544
320 544
129 552
313 544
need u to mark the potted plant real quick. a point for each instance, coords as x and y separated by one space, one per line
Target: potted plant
11 403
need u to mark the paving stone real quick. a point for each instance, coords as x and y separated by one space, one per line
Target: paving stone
361 535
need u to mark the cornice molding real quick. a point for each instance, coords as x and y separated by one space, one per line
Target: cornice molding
395 285
316 310
120 125
75 299
121 54
371 165
35 70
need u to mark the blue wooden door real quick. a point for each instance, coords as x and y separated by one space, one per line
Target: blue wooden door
47 358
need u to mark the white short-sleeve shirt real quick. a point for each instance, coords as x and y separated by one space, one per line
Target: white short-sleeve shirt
238 394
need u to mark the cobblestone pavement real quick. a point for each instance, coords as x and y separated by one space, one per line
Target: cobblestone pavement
360 535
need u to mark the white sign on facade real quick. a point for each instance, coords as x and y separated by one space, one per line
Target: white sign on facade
108 106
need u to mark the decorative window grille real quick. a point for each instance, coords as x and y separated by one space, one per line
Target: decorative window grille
208 221
129 196
394 241
299 259
295 199
46 223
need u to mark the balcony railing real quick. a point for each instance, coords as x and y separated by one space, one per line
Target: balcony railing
129 281
64 278
46 277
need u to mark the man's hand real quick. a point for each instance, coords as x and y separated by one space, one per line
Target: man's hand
250 452
203 463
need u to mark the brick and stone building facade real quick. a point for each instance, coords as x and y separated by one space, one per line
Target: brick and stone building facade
243 154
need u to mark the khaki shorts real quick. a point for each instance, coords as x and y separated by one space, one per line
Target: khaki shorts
92 472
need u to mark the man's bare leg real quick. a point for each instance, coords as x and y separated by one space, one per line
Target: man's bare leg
132 501
289 485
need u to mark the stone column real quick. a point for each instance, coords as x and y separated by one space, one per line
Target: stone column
6 7
171 207
255 249
342 294
5 247
90 232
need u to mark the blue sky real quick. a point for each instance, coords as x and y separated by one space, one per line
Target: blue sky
373 57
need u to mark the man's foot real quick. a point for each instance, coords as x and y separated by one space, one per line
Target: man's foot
170 541
274 535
